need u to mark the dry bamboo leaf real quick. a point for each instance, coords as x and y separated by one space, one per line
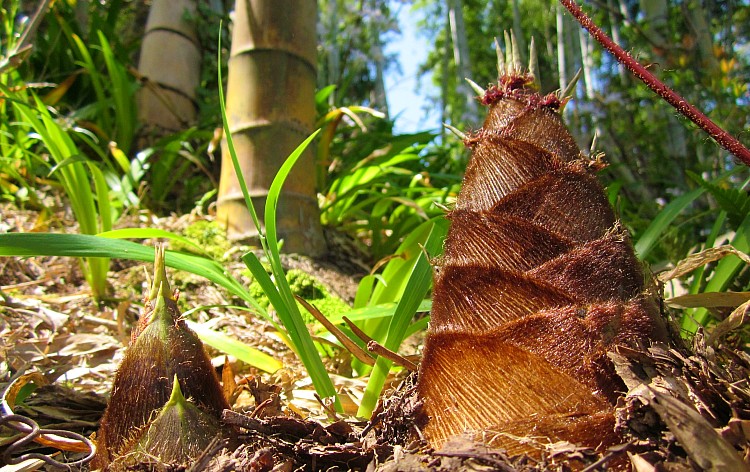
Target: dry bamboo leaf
228 384
350 345
702 443
380 350
640 464
709 300
699 259
735 320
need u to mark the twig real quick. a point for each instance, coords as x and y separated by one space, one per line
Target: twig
396 358
725 139
356 330
350 345
376 348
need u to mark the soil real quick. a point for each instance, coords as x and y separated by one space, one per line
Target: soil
687 408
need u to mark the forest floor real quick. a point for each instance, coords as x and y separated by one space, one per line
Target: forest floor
53 333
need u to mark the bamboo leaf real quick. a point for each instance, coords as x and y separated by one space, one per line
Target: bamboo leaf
709 300
419 282
236 348
150 233
700 259
723 275
656 230
81 245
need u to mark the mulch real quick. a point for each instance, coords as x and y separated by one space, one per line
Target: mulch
687 408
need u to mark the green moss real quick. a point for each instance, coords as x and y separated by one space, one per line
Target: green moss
209 235
311 289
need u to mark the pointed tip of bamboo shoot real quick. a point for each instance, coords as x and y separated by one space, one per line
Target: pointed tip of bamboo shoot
508 53
160 282
476 87
534 64
565 94
501 69
455 131
517 63
594 142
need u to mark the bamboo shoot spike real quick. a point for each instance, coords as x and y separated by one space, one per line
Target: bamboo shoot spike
455 131
594 142
476 87
517 63
508 54
571 85
534 64
537 283
162 348
500 60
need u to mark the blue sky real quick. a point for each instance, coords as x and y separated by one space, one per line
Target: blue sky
407 104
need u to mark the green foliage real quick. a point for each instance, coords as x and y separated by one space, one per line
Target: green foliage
98 247
734 201
98 184
380 187
350 61
178 174
306 286
407 281
91 208
85 52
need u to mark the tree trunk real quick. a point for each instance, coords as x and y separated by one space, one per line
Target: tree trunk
704 42
270 110
444 70
587 61
378 97
518 28
171 62
461 57
565 53
622 172
655 28
614 19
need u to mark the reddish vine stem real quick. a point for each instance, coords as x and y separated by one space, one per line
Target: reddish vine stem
726 140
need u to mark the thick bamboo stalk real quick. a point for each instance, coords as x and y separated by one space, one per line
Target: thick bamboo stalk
170 63
270 110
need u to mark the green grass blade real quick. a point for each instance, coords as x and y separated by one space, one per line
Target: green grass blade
264 280
416 288
233 154
274 192
385 310
655 231
72 175
96 78
151 233
725 272
236 348
122 96
288 310
102 198
81 245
